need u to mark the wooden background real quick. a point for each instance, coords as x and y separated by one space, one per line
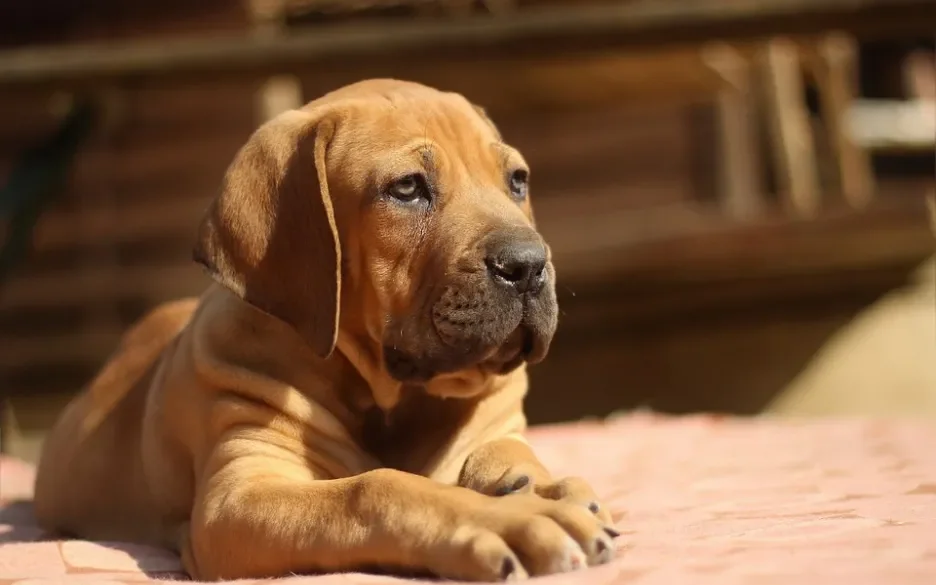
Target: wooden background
667 302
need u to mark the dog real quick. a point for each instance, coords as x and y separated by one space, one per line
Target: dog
348 392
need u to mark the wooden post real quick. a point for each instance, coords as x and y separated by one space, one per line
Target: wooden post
277 95
790 132
281 92
833 63
739 172
919 74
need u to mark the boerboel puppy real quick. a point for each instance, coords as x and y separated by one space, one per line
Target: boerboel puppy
349 393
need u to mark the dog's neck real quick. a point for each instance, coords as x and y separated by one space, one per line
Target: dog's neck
365 355
412 427
413 433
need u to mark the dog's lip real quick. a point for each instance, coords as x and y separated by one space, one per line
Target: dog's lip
511 355
529 343
518 347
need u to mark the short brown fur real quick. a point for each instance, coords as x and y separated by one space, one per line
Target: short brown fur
349 393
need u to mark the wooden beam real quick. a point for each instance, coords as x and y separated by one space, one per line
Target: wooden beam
91 345
791 135
95 285
144 220
711 247
566 30
833 61
739 174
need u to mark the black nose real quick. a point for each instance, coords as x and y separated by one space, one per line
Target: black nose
519 264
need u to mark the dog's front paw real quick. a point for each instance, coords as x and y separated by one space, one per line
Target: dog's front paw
572 490
521 536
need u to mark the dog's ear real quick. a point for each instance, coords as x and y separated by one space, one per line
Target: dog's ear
270 235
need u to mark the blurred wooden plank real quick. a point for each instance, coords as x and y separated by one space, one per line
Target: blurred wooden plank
633 23
596 313
91 285
92 345
791 136
61 377
57 21
142 220
645 154
833 60
541 81
893 126
147 168
919 75
684 245
739 173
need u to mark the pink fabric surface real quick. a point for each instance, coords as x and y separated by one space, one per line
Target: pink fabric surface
700 500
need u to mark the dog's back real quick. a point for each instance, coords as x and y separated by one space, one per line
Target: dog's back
98 439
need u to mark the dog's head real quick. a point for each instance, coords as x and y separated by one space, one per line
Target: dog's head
394 218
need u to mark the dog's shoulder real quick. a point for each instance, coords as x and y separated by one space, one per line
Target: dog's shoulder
162 323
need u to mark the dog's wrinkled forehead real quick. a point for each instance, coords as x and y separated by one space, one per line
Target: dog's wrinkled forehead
409 102
387 120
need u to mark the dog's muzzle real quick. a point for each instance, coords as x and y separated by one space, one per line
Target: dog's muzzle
494 318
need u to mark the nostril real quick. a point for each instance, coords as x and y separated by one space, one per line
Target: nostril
537 279
512 272
524 277
519 264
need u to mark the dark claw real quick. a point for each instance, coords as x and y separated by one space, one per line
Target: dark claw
507 568
520 483
594 507
611 532
601 546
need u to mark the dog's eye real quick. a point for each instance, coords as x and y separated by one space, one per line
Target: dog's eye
519 182
409 188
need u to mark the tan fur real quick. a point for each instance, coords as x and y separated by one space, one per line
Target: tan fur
257 431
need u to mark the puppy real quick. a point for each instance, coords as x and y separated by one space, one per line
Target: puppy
349 393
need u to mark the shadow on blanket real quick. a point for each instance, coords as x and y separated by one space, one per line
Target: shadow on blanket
19 530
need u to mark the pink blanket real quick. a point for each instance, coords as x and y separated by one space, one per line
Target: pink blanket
700 500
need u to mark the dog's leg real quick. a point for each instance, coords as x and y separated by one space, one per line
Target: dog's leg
508 465
504 466
260 516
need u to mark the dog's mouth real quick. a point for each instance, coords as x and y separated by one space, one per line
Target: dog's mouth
518 347
481 329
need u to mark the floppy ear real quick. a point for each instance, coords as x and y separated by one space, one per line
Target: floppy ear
270 235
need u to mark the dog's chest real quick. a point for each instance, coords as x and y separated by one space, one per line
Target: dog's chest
415 434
